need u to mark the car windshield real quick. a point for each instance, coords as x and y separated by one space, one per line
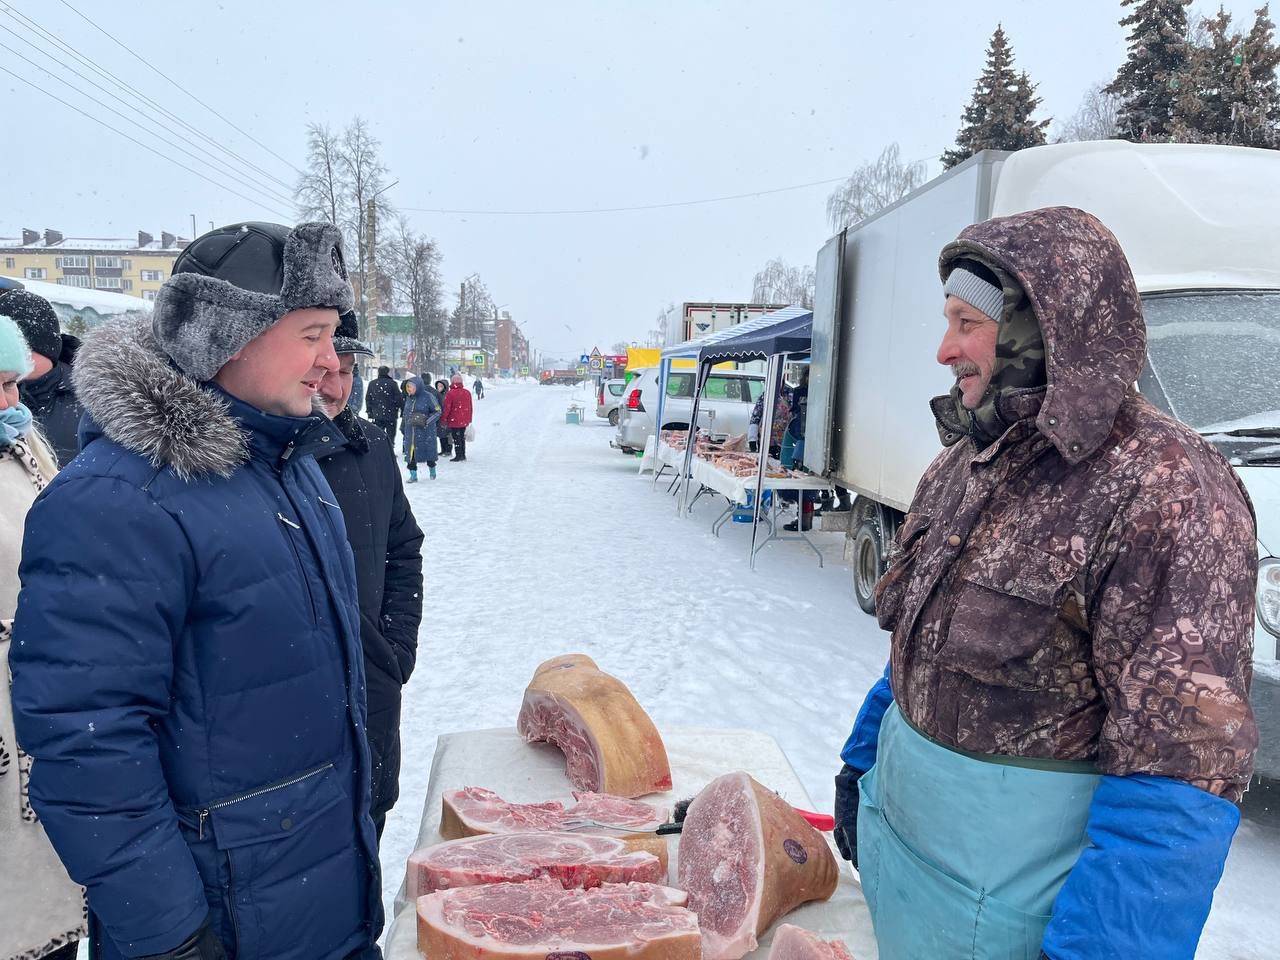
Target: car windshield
1213 359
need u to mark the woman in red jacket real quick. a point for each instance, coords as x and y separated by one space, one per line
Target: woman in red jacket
457 416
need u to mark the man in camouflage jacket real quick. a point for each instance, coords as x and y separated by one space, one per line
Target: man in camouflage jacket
1075 581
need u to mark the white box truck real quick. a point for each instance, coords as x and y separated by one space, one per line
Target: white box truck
1201 228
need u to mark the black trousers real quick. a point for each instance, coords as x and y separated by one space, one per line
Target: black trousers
389 428
459 442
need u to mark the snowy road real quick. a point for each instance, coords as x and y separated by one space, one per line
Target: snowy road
546 542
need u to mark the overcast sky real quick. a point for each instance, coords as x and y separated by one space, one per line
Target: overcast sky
538 106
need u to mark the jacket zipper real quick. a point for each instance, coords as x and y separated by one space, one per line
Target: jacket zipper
204 812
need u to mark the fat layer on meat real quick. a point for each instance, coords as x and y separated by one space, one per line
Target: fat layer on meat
795 943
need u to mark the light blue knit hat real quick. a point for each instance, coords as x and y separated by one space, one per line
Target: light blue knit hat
15 355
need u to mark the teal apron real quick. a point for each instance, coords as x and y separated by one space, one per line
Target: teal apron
961 856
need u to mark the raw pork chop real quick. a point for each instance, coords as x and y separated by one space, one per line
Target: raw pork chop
793 943
573 859
474 810
609 743
540 920
746 859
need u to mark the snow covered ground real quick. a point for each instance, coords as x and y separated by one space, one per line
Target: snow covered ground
546 542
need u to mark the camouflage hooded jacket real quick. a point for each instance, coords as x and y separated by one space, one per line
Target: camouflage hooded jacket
1083 588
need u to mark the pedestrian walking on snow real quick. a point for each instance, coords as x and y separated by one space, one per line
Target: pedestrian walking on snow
47 392
387 545
446 437
1052 761
421 420
478 387
457 416
188 673
43 907
383 401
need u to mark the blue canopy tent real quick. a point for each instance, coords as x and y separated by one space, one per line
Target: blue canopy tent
774 337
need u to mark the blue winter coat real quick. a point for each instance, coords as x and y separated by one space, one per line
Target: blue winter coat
422 440
188 674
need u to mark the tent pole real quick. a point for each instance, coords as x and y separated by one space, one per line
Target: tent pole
664 371
766 435
700 382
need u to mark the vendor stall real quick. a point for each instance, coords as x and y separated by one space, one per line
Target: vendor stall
500 760
776 338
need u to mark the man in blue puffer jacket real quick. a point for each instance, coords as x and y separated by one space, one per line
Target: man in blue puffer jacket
187 668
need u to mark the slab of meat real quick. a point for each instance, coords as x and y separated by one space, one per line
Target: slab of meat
572 859
540 920
746 859
794 943
609 743
473 810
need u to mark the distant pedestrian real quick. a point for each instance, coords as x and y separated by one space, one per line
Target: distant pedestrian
421 419
457 416
478 387
446 438
47 392
383 402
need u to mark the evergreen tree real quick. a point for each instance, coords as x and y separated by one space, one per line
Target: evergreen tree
1256 118
1202 104
1150 80
999 115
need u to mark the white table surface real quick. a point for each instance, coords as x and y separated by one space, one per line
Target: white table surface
500 760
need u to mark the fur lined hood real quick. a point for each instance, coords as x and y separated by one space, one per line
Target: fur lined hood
142 401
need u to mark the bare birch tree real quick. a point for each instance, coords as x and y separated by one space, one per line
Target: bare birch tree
872 187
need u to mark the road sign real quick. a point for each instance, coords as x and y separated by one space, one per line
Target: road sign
584 359
596 363
524 371
477 359
595 352
608 364
582 371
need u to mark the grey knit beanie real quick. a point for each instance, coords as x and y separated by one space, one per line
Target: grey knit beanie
967 282
233 284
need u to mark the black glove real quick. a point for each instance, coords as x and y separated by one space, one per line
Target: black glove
201 945
846 813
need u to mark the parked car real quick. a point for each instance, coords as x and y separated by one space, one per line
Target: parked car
725 408
608 399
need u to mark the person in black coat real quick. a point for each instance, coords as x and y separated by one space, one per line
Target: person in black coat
47 393
382 403
387 543
446 440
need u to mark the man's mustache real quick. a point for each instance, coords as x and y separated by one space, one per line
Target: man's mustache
962 370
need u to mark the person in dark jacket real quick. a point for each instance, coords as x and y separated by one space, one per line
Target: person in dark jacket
47 393
457 416
188 674
446 438
420 421
383 401
387 545
478 387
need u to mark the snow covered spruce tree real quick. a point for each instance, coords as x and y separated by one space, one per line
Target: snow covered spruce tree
1151 79
1256 118
999 117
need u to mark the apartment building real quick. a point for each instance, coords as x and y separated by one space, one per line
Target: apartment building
136 267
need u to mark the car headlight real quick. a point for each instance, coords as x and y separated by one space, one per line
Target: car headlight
1269 594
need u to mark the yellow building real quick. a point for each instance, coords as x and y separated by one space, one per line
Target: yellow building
134 267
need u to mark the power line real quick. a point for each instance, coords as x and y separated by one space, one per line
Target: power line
127 119
228 172
24 21
175 83
629 209
145 146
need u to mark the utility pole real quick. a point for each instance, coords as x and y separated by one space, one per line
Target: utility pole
371 273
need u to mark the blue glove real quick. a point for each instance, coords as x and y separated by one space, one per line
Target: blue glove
1144 886
860 749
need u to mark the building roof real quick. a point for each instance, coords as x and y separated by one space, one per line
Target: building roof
51 240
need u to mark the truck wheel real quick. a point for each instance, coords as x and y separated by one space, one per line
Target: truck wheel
868 562
613 417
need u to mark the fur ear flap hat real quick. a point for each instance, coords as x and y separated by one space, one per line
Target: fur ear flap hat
234 283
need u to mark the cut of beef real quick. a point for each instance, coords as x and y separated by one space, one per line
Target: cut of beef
540 920
609 743
794 943
572 859
473 810
746 859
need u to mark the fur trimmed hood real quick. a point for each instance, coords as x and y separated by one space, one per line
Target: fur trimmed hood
139 399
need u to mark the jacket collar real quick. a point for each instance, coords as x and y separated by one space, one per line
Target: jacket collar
275 439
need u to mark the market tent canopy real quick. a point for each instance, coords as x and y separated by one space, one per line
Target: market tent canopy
785 331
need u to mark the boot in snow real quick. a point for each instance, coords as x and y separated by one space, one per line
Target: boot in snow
432 468
413 476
